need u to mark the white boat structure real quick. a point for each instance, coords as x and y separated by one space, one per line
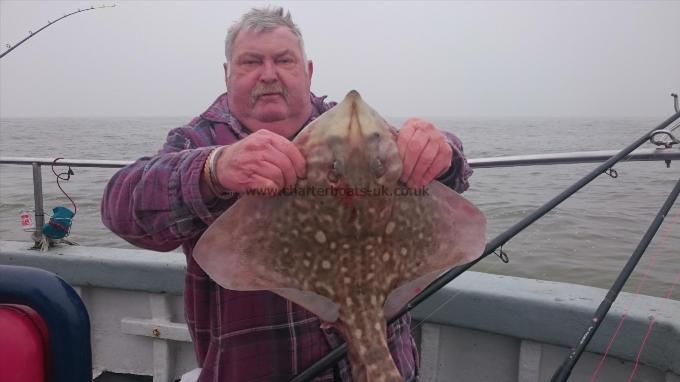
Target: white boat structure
479 327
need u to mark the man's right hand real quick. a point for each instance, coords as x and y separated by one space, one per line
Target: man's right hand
263 161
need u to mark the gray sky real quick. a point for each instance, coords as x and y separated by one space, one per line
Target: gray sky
487 59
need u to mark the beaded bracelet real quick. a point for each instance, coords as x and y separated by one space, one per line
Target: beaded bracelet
209 171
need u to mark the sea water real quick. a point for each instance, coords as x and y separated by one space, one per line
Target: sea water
585 240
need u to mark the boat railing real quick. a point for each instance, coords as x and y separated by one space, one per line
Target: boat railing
664 152
162 328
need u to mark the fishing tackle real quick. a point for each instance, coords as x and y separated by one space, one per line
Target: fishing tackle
502 255
31 33
567 366
665 137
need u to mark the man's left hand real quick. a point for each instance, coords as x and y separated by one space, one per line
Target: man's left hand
424 152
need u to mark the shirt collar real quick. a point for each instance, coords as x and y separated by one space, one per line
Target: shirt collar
219 112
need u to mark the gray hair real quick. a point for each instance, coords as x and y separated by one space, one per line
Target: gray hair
263 20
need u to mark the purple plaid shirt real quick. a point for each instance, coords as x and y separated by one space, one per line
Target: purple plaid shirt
155 203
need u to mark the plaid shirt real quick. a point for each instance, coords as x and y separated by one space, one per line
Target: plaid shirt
155 203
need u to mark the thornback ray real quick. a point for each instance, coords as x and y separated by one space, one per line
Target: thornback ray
350 243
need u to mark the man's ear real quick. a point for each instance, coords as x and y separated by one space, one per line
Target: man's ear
226 73
310 69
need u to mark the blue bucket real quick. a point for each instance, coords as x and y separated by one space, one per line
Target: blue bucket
59 225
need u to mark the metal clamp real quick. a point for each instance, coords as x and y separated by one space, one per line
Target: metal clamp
665 137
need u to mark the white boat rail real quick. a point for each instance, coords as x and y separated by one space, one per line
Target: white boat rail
647 154
152 324
666 154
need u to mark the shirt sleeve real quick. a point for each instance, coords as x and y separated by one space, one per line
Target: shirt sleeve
460 171
155 202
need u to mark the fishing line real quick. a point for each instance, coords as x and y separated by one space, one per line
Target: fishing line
452 297
49 23
651 325
646 273
650 265
648 268
649 330
644 341
565 369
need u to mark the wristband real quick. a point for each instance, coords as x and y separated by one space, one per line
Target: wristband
209 171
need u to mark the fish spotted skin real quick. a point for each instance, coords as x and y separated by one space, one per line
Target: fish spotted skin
350 243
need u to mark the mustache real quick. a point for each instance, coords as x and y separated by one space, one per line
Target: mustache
275 88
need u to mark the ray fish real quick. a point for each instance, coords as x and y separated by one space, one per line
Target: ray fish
350 243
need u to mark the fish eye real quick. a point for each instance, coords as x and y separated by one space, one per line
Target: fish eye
377 167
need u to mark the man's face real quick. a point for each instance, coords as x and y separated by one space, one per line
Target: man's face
267 81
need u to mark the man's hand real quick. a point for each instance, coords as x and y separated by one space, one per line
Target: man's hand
424 152
263 161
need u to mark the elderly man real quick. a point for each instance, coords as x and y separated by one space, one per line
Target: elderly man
241 143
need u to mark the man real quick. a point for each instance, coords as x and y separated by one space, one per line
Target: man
242 142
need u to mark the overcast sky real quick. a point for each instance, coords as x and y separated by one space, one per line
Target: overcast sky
457 59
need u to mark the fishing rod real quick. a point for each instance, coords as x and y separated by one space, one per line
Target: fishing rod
336 354
564 371
49 23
